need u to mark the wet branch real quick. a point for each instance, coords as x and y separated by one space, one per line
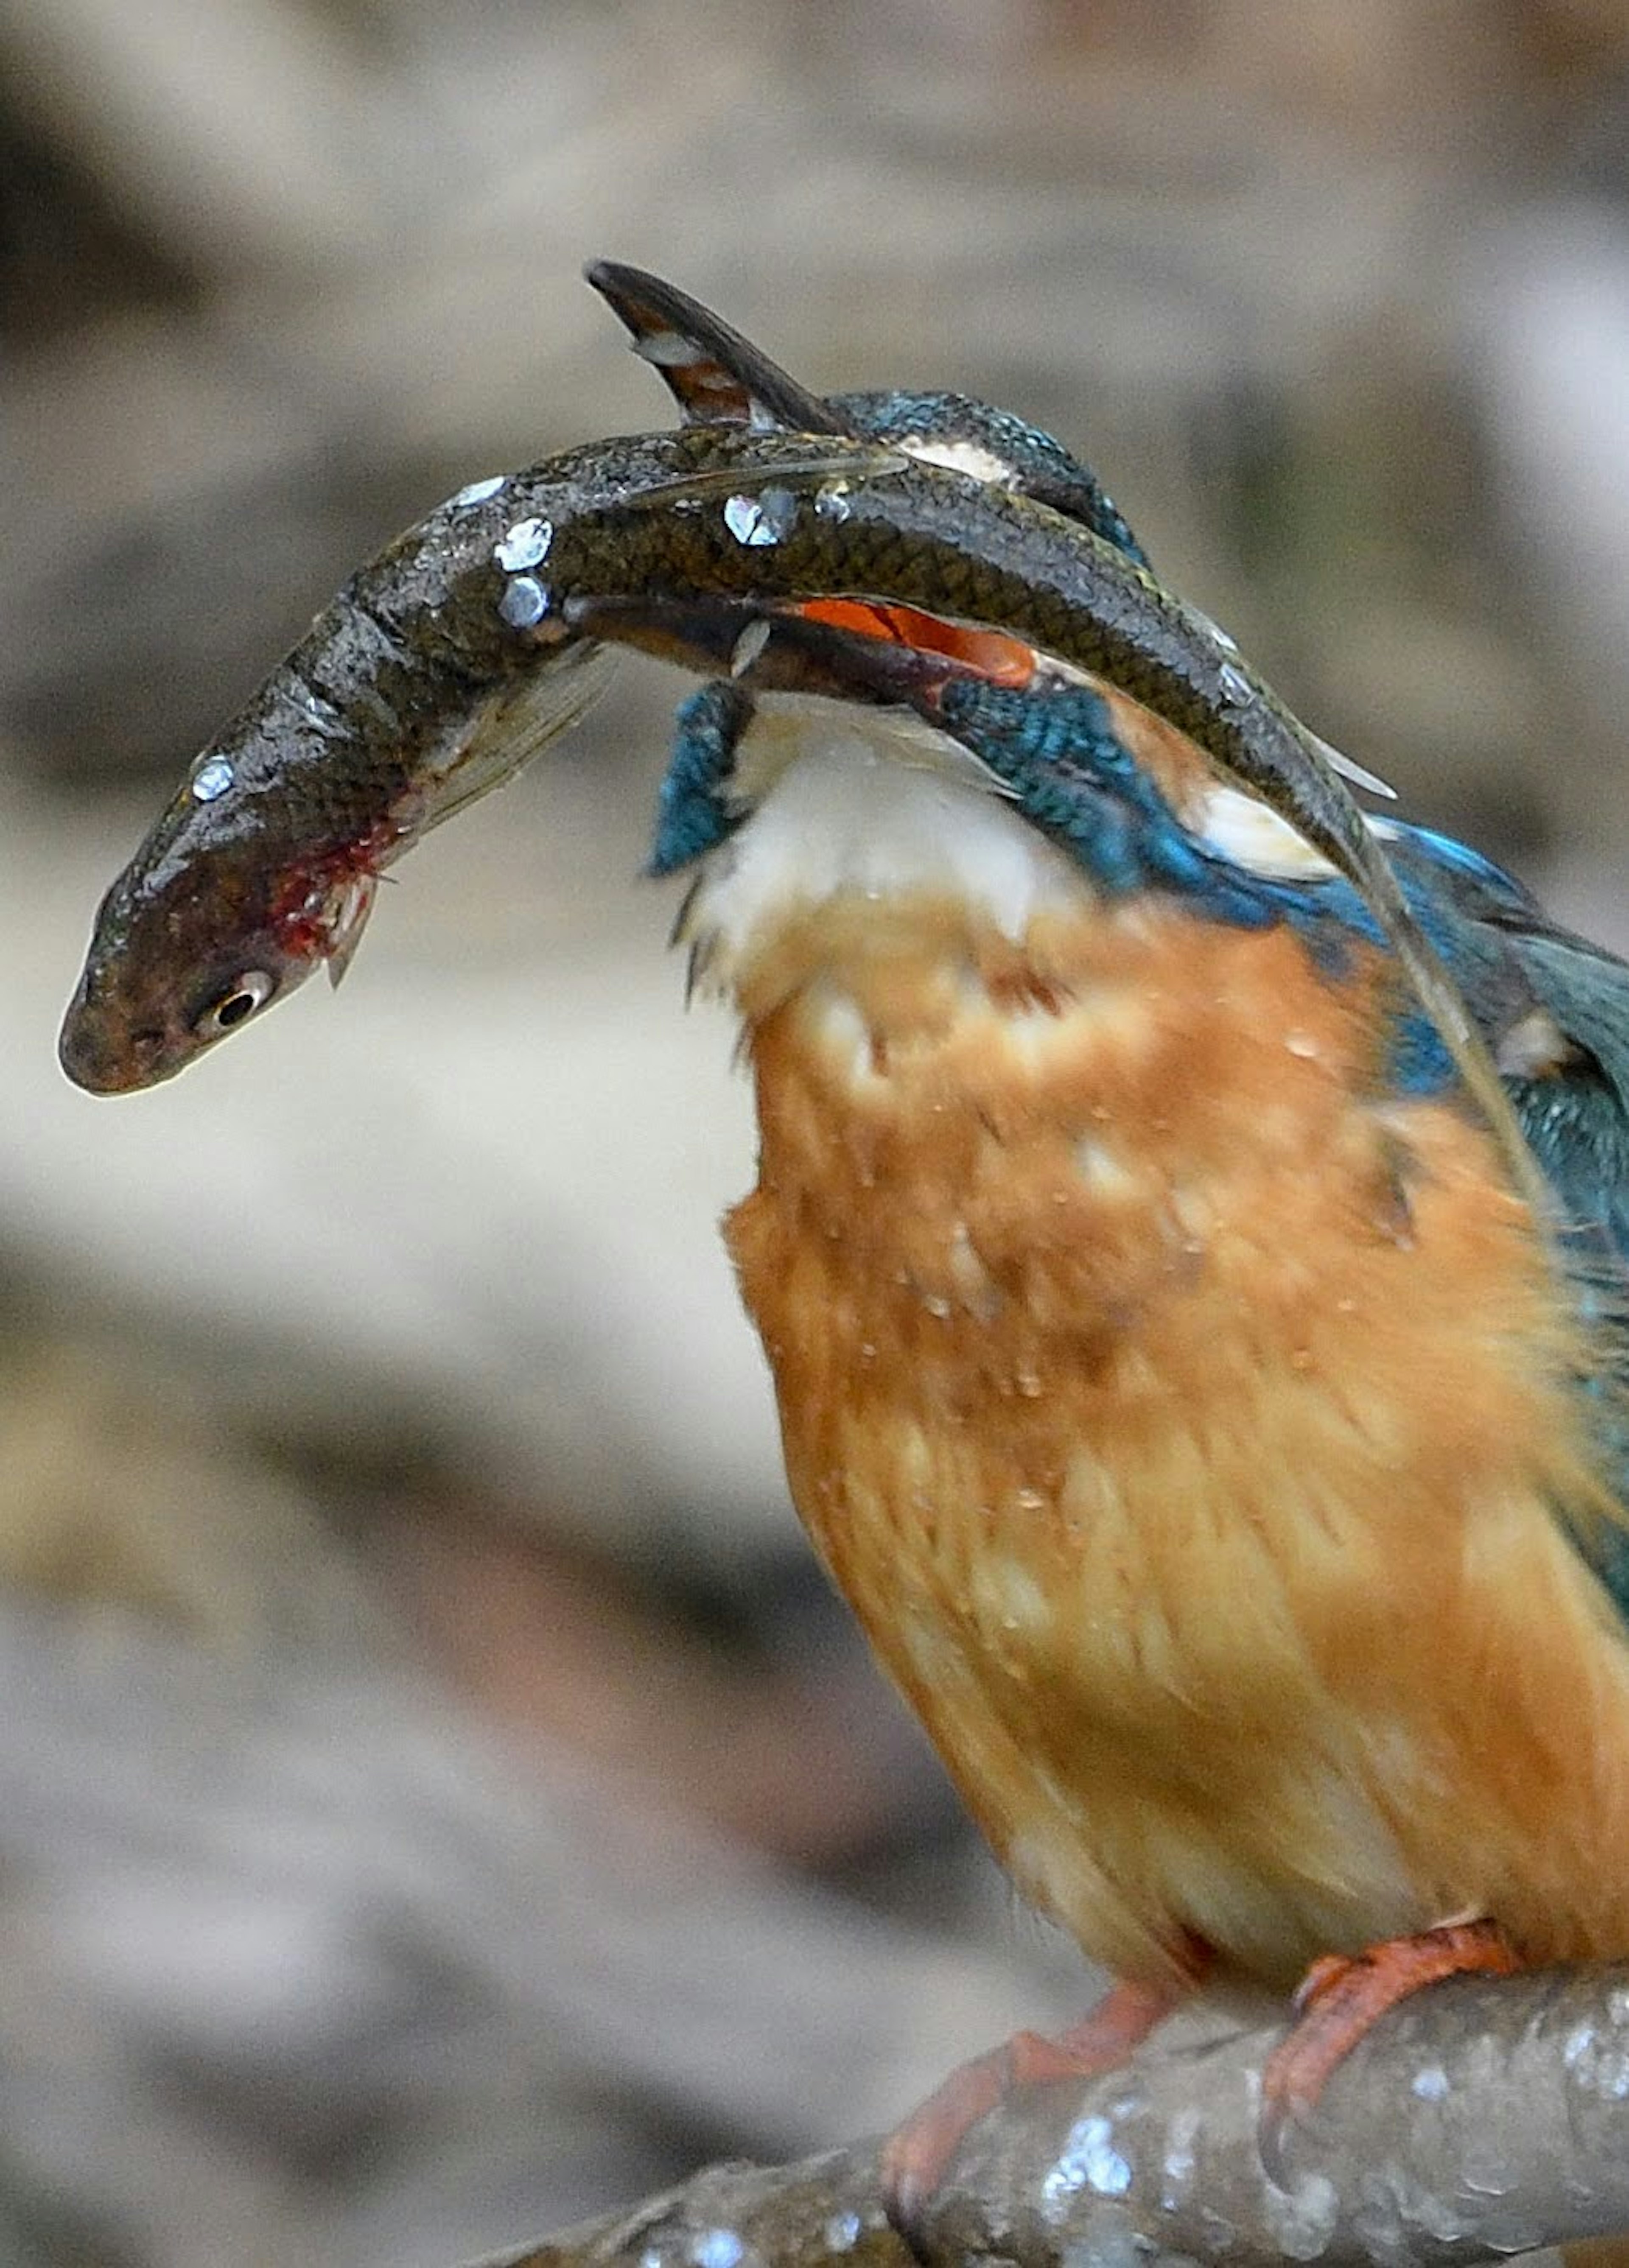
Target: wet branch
1486 2118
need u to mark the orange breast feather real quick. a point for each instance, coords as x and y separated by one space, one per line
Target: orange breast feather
1184 1421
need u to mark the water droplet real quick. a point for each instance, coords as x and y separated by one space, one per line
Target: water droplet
212 779
761 520
527 542
936 1307
1088 2159
1431 2084
716 2248
842 2232
1028 1382
831 502
524 602
1236 685
1601 2064
477 492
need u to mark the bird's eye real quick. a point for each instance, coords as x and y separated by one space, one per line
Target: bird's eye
236 1004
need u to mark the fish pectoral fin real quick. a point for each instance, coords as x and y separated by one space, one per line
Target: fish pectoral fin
344 919
516 724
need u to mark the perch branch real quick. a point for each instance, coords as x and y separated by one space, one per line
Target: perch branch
1486 2117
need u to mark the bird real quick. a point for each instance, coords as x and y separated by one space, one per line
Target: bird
1222 1455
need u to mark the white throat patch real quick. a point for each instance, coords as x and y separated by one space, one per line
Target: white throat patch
870 804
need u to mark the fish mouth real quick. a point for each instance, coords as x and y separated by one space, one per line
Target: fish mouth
100 1063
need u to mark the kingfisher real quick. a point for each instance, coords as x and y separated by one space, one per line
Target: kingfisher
1188 1237
1223 1457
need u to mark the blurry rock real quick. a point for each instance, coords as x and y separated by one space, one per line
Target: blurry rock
306 1954
117 1491
797 1749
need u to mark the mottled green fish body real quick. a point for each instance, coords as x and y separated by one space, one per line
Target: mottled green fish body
450 658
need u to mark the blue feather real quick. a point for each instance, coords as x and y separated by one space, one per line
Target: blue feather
1036 464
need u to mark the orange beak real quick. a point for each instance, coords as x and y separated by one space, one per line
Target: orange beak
989 654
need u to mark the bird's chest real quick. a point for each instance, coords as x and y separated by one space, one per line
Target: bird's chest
1025 1258
1087 1257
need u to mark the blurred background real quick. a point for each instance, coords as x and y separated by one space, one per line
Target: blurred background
437 1796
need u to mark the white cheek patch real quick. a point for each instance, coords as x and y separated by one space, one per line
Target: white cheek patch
955 455
1534 1047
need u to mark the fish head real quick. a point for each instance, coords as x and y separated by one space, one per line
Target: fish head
204 929
265 865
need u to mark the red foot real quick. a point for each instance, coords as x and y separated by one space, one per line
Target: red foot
917 2152
1341 2000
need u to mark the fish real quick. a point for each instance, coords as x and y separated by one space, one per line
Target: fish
418 689
446 662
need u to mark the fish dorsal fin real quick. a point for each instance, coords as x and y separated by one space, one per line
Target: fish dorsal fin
719 377
716 376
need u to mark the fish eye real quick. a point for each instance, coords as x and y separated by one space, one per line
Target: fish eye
236 1004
